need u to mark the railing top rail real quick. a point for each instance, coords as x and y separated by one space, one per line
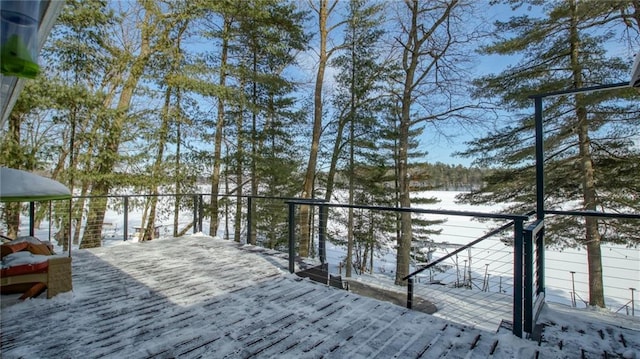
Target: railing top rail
595 214
536 226
191 194
306 201
506 216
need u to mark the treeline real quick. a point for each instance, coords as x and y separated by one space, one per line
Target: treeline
429 176
448 177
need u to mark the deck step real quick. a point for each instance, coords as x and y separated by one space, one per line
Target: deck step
321 274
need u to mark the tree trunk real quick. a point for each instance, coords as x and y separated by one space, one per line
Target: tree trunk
217 160
178 171
156 173
589 197
12 210
108 153
592 238
254 155
410 63
310 175
239 171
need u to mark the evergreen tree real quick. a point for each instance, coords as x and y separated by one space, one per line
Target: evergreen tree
25 141
271 35
128 65
168 62
209 78
357 103
76 77
589 138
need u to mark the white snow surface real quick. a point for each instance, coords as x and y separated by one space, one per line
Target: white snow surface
17 185
199 296
21 258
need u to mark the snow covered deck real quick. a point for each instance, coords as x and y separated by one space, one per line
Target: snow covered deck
202 297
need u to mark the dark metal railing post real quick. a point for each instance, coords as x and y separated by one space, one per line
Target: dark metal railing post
125 226
517 277
201 213
528 279
69 241
540 262
32 218
539 158
249 218
292 242
322 245
50 219
410 293
195 214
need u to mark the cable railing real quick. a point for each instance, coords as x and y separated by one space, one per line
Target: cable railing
567 271
509 272
527 285
259 220
513 275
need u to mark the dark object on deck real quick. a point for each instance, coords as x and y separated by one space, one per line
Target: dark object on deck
321 274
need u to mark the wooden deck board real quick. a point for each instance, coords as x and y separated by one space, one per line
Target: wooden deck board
201 297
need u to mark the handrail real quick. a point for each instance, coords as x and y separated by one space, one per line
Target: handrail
193 194
466 246
595 214
415 210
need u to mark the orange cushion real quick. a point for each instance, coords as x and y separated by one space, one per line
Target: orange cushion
27 243
9 248
41 248
34 291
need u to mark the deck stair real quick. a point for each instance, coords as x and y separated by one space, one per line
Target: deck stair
321 274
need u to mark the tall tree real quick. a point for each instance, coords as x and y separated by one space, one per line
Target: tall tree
358 91
431 34
222 96
151 27
271 35
27 133
73 97
169 59
587 135
323 9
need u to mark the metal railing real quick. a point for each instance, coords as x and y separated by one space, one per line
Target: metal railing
258 220
533 276
522 276
527 264
271 222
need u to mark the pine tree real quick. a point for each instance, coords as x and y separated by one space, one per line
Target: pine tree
168 63
271 34
357 103
22 141
587 135
76 70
